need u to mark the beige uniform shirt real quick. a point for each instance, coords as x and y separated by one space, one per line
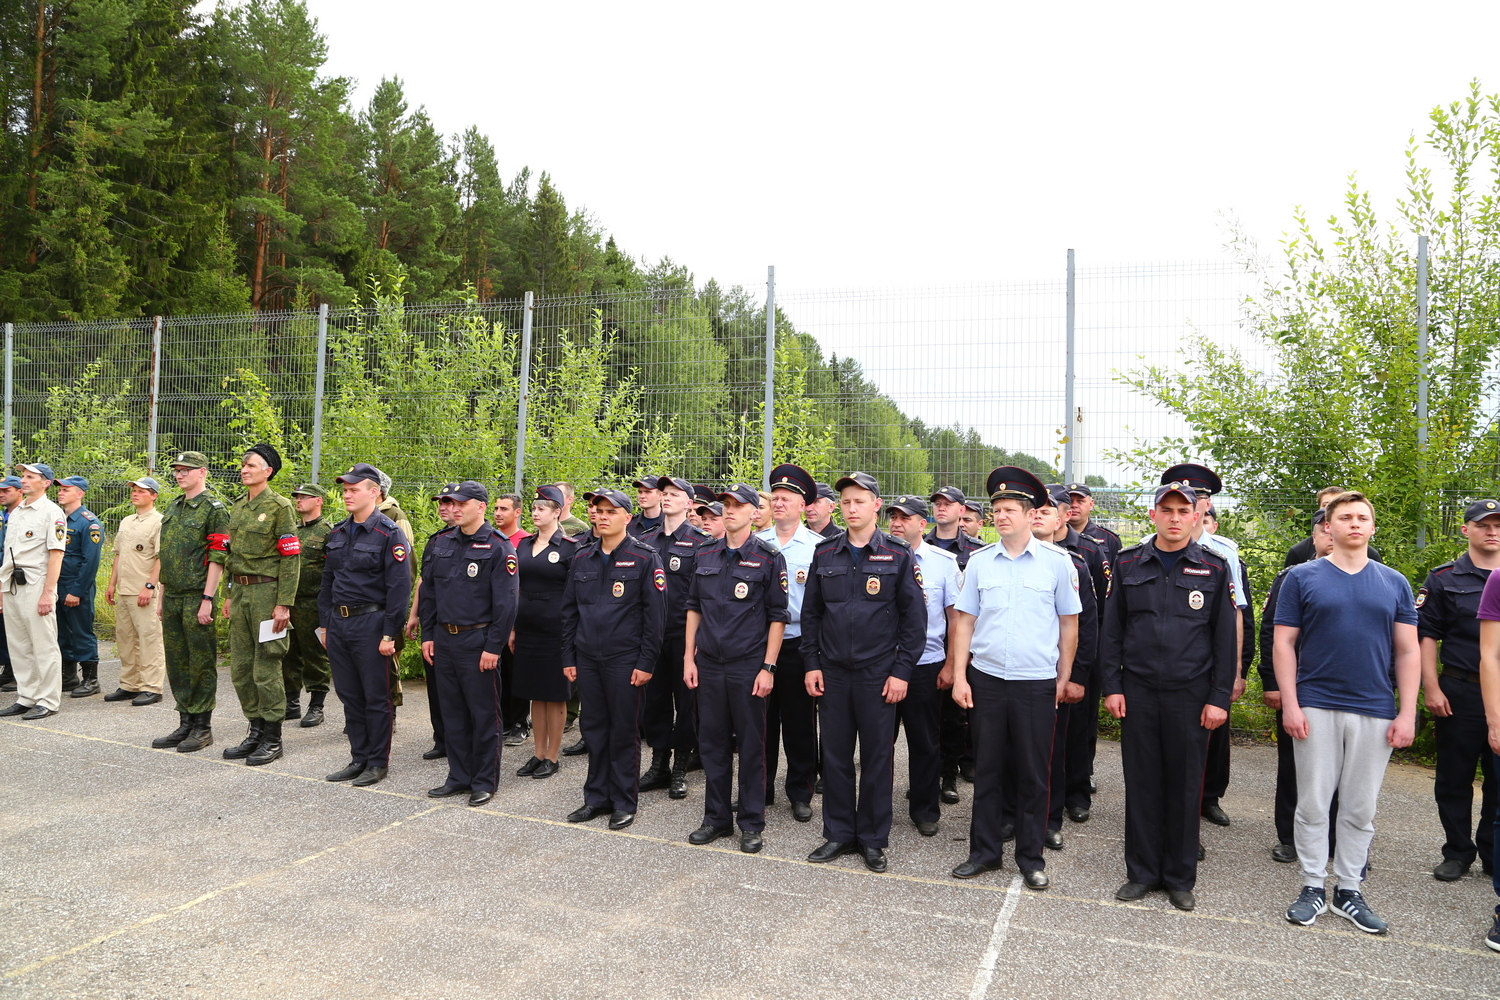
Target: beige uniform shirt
136 542
32 531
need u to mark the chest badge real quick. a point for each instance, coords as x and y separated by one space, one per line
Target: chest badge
741 590
140 548
552 557
260 517
801 576
30 533
618 589
1195 600
473 570
872 585
674 564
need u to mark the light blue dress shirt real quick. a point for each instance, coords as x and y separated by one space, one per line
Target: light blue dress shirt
1016 603
940 583
798 553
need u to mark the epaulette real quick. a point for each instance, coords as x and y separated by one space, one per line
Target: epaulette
986 545
442 531
1053 546
1443 566
944 553
770 547
213 501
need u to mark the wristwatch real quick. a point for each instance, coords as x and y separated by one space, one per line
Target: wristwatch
208 597
769 668
150 586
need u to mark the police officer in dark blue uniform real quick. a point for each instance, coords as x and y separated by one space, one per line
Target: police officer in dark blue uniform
736 614
613 615
1447 629
820 510
648 503
667 716
1168 654
864 623
468 607
76 585
1080 518
362 607
947 533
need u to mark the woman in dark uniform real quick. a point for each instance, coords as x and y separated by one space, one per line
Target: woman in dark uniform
536 642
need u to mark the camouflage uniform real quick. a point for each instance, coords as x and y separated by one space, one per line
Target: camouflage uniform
194 533
262 535
306 661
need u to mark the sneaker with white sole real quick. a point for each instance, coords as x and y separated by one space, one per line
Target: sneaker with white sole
1309 904
1349 904
1492 939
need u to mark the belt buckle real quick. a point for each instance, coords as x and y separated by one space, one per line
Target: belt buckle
452 629
343 611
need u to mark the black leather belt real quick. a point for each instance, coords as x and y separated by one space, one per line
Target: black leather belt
355 610
455 629
245 581
1461 675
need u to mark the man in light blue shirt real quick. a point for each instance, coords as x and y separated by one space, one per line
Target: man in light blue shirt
790 710
1018 615
921 710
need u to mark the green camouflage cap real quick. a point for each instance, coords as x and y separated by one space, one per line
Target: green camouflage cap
190 460
310 490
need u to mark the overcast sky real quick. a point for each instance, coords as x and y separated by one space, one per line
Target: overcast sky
870 145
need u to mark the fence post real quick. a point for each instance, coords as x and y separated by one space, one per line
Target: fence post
523 398
153 403
1422 381
10 353
1070 418
318 379
769 433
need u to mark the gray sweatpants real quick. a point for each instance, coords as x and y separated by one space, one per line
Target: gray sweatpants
1347 753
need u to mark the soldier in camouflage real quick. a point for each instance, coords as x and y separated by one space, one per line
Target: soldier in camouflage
306 661
194 545
263 570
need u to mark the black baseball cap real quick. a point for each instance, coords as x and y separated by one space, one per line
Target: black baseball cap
795 479
825 492
975 504
743 492
1059 495
1200 477
1082 489
863 480
1481 509
715 508
615 497
1011 482
950 493
1180 488
360 472
648 483
466 490
675 483
915 506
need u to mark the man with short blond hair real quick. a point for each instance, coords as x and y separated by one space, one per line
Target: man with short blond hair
133 579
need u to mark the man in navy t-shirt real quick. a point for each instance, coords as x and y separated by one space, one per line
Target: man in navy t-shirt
1342 623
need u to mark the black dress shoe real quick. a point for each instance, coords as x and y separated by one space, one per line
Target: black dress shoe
751 842
1202 854
1450 871
1183 899
16 709
706 834
546 769
1131 891
1214 814
529 767
874 858
348 773
1078 814
120 694
145 698
585 813
1007 832
577 749
1093 786
972 869
443 791
436 753
927 828
480 798
620 820
801 811
372 776
1285 853
1053 839
830 850
818 786
38 712
1035 879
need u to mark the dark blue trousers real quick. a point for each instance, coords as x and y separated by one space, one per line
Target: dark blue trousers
470 709
361 679
920 712
75 630
667 711
792 722
1012 724
1164 749
1070 738
853 708
610 722
435 703
1462 745
727 710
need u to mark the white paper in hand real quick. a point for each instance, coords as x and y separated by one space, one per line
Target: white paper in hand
266 635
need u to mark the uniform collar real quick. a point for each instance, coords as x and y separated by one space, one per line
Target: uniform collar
1463 564
1193 552
1032 545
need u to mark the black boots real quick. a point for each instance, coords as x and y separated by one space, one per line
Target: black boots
949 791
270 745
678 788
176 736
247 746
202 733
314 716
293 707
69 675
659 774
90 683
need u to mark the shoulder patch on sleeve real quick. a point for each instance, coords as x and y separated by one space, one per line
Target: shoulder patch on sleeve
510 563
96 534
659 577
398 552
1421 596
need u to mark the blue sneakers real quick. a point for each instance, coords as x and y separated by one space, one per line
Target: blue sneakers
1349 904
1307 907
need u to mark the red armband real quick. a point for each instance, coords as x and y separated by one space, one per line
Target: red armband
289 545
218 543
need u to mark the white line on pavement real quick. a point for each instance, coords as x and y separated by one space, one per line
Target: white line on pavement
986 970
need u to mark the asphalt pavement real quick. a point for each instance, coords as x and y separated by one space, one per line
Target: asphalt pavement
139 873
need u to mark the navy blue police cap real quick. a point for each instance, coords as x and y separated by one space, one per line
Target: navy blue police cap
863 480
1199 477
795 479
742 492
1481 509
1011 482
